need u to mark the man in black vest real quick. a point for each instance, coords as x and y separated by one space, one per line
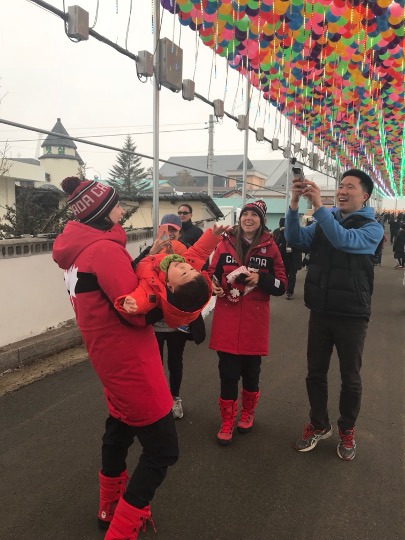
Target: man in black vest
190 233
338 289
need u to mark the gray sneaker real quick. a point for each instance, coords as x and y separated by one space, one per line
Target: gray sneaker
311 437
347 446
177 409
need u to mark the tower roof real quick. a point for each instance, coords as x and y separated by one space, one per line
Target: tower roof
52 140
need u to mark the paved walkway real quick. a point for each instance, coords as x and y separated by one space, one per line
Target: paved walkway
257 489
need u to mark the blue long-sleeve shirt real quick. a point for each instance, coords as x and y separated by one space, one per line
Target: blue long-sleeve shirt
362 241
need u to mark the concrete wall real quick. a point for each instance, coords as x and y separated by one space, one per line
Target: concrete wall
32 288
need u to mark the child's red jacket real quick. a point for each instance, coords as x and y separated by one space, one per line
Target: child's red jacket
151 291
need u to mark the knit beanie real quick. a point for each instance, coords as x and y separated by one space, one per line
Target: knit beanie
259 207
90 201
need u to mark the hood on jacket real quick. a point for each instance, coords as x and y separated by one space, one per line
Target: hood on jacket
77 236
366 211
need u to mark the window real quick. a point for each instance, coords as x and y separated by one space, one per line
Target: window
47 177
61 150
48 149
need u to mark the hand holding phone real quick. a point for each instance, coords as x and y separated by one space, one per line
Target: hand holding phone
216 286
163 232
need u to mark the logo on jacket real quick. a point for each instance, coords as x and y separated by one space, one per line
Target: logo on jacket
71 280
261 262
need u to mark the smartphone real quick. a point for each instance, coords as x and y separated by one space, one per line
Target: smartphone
163 232
298 173
215 281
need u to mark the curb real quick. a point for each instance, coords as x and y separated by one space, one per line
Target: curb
25 352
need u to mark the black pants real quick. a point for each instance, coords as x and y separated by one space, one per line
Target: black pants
291 273
159 451
400 258
176 341
232 367
347 334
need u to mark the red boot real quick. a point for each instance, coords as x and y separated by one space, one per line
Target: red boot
249 403
128 521
111 491
228 408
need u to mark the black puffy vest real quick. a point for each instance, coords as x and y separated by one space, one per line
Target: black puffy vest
337 282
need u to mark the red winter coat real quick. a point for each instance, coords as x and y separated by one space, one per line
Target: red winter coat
240 324
151 291
125 358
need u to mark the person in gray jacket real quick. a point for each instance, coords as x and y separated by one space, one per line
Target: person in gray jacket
338 289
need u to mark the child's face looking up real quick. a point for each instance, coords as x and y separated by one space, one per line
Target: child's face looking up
180 273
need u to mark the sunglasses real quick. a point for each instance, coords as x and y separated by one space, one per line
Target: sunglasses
183 213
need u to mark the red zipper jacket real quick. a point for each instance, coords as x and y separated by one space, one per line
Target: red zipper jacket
241 321
125 358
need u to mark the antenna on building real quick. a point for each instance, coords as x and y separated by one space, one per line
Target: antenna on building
38 149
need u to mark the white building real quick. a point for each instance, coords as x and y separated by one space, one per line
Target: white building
58 160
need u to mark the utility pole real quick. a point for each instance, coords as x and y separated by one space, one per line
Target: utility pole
211 156
156 61
287 182
246 145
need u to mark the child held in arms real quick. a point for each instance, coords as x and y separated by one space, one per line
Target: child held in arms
174 283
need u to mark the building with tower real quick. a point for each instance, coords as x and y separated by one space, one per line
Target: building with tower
59 159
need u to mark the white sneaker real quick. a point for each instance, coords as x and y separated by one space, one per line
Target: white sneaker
177 409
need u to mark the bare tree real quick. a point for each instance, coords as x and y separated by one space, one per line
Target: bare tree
5 164
81 171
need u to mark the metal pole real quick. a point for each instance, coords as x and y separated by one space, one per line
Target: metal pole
287 182
246 145
211 155
156 61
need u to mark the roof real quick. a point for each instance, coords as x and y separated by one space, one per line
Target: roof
274 170
53 140
29 161
176 197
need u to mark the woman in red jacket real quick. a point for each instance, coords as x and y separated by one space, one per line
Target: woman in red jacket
126 359
246 269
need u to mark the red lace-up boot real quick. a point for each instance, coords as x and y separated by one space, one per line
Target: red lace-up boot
228 408
111 491
249 403
128 521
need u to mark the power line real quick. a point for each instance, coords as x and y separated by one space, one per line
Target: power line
116 134
121 150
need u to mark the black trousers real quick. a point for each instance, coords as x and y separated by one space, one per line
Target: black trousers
291 273
176 341
159 451
234 366
347 334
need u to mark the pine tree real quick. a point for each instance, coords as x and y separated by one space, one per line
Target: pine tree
126 173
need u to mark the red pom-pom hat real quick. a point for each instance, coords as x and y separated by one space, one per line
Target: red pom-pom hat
90 201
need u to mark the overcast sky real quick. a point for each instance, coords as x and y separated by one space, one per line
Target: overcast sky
95 90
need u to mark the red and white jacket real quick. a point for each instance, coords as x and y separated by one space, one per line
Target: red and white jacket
151 291
240 324
125 358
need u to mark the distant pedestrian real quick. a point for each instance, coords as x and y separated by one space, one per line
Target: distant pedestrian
394 228
399 246
190 233
292 257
